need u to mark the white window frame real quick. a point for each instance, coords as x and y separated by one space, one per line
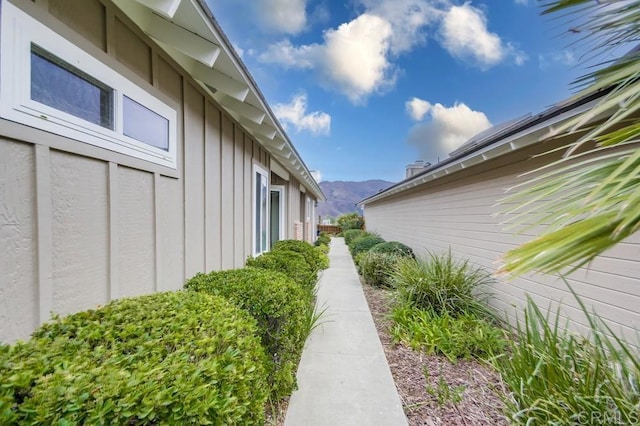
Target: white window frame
18 32
257 250
282 190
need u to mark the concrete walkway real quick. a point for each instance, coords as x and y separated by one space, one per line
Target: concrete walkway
343 377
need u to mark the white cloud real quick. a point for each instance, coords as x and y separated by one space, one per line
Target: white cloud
564 58
283 16
522 2
316 175
417 108
295 113
448 128
353 57
465 35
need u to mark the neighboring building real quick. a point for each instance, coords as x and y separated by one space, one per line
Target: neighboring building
135 151
415 168
453 204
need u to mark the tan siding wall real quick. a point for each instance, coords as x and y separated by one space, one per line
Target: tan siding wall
18 262
458 212
80 226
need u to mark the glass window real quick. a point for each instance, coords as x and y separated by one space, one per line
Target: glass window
60 85
144 125
261 213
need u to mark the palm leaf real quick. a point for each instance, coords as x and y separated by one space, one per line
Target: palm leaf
589 200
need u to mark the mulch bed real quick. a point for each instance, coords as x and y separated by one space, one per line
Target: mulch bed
477 384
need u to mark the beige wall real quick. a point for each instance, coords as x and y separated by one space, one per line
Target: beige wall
458 212
80 225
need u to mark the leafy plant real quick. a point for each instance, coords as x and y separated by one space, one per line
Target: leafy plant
166 358
464 336
282 309
589 199
393 247
351 234
316 259
376 268
323 238
557 377
350 221
444 393
442 284
292 263
364 243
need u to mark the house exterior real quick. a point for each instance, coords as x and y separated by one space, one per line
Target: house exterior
454 205
135 151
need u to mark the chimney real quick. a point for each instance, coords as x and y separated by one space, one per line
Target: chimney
415 168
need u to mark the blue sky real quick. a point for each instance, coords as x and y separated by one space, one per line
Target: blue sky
365 87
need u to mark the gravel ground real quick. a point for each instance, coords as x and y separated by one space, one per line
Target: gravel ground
476 384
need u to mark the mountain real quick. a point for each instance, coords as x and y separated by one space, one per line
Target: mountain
342 196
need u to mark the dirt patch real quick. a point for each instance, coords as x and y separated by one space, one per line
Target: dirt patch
475 385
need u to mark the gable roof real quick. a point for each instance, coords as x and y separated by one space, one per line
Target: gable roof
188 32
495 142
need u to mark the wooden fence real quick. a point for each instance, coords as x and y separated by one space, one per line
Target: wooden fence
329 229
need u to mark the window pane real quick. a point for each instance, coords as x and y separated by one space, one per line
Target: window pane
142 124
257 213
265 219
62 86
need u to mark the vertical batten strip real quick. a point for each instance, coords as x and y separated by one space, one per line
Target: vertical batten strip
44 218
114 232
156 234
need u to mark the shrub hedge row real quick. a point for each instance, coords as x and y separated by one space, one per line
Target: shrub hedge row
213 354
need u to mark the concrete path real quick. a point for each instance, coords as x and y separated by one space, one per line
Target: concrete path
343 377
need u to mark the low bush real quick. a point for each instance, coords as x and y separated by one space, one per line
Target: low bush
442 284
363 244
376 268
324 249
282 309
323 238
351 234
350 221
316 259
557 377
465 336
291 263
393 247
166 358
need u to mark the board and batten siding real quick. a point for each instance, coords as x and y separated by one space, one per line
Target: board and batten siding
80 225
459 212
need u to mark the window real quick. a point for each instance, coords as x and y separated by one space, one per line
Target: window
260 210
49 83
277 216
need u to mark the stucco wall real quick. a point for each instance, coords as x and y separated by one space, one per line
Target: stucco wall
459 212
80 225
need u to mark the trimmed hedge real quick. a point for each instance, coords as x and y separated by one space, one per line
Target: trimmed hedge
377 268
363 244
314 257
323 238
393 247
282 309
292 263
166 358
351 234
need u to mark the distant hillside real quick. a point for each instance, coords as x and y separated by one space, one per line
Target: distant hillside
342 196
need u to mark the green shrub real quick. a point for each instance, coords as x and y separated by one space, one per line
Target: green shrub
315 258
166 358
442 284
324 249
393 247
350 221
557 377
282 308
465 336
351 234
291 263
363 244
376 268
323 238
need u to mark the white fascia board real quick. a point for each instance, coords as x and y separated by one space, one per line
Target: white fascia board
264 130
219 81
166 8
193 45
